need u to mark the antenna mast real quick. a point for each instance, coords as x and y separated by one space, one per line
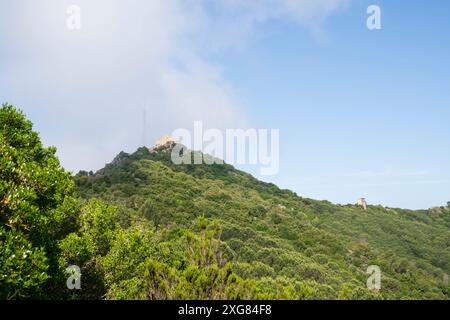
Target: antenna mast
144 128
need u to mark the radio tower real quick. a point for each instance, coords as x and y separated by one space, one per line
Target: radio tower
144 126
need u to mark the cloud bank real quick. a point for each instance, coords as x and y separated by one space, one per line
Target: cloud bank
86 90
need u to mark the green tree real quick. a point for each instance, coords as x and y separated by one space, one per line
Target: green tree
35 208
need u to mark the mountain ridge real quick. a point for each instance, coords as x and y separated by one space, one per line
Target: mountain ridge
259 220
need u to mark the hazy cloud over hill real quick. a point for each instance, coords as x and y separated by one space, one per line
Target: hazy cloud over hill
86 89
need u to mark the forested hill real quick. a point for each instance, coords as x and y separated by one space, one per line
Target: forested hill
261 241
144 228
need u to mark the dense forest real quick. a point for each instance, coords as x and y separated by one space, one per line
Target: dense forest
145 228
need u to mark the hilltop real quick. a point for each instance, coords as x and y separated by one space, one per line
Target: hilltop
285 245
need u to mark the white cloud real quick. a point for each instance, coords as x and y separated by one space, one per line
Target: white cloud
85 90
234 20
303 11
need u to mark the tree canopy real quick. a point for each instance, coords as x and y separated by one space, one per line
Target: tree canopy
35 203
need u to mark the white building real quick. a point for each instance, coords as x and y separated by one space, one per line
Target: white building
362 202
164 140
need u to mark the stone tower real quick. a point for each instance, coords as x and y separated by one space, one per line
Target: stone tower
362 202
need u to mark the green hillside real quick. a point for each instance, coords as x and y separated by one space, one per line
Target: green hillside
288 244
144 228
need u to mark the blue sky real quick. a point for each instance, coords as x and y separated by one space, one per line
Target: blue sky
360 112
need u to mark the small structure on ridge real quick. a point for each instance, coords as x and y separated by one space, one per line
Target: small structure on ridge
164 143
362 202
